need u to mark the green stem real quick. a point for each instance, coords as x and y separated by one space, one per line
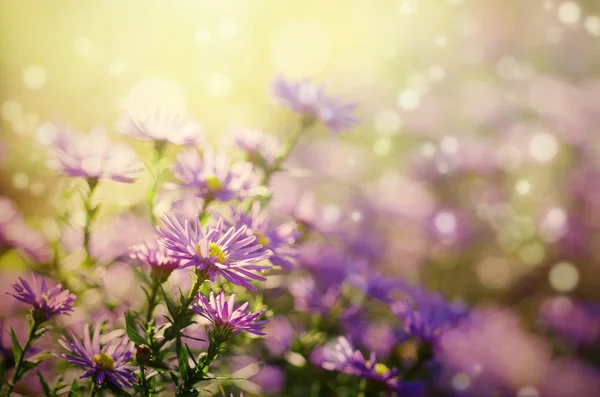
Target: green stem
89 215
153 300
159 149
304 124
144 382
19 372
94 390
211 355
201 277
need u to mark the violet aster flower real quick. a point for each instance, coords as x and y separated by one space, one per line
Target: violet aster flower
229 253
108 362
91 156
212 176
46 301
225 318
343 356
14 233
310 101
278 239
160 260
162 128
259 146
427 316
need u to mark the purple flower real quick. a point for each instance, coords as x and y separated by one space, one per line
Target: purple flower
105 363
160 260
577 322
231 254
46 301
213 177
309 216
492 346
258 145
343 356
91 156
313 298
14 233
225 318
427 315
162 127
280 335
278 239
271 380
310 101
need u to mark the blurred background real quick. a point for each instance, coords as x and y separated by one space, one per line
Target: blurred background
478 149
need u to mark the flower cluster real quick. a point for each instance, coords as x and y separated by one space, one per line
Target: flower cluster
279 260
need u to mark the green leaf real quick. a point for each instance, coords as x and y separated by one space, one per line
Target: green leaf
174 378
170 304
191 355
16 348
182 359
41 357
75 390
132 331
45 387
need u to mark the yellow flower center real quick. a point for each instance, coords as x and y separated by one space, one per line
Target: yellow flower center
381 369
104 361
213 183
217 252
262 240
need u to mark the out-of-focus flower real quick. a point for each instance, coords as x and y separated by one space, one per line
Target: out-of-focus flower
270 378
257 144
382 287
309 297
225 318
278 239
160 260
14 233
306 212
231 253
163 128
105 363
280 335
310 101
343 356
212 176
519 358
570 378
576 322
92 156
46 301
428 315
